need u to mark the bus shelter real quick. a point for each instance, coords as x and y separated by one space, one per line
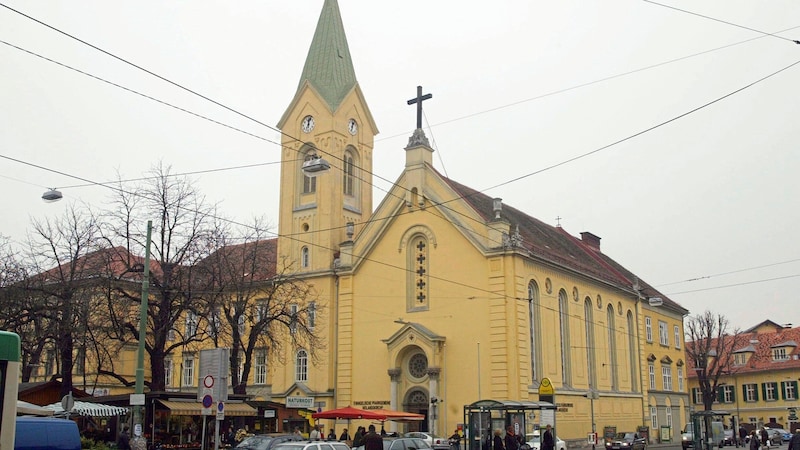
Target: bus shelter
484 416
707 429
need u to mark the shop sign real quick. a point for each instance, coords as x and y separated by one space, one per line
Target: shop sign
300 402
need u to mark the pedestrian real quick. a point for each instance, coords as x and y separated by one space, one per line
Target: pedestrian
124 439
345 436
794 442
297 432
497 442
754 442
742 435
315 434
331 435
764 438
510 440
358 440
455 440
373 440
548 441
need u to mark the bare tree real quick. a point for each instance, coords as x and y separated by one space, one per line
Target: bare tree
710 344
182 231
257 307
64 257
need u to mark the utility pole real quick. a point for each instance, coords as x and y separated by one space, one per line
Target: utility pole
137 399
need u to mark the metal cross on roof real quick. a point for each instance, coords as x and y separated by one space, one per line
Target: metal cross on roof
418 100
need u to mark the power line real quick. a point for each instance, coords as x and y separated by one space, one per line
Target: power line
744 283
722 21
705 277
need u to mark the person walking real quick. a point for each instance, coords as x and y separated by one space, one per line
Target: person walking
497 443
764 438
754 442
510 440
455 441
794 442
548 441
358 439
373 440
742 435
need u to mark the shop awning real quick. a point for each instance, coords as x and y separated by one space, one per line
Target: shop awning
89 409
177 408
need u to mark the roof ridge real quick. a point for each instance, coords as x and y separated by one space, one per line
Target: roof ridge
589 251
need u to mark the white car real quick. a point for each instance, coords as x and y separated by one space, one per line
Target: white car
534 441
436 442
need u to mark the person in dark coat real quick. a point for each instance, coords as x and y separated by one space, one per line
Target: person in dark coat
742 434
455 440
124 439
511 441
358 440
764 437
497 444
754 442
373 440
345 436
794 442
548 441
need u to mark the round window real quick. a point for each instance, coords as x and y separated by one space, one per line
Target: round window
418 365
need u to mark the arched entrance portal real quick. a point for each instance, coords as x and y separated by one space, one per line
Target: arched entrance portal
416 400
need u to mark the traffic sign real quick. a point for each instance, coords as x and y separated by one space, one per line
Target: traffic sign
208 381
207 401
221 411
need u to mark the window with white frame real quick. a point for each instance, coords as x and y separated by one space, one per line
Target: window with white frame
676 330
261 310
651 368
191 324
261 367
739 359
648 329
312 315
240 324
750 393
770 392
697 396
214 323
301 366
669 416
779 354
663 335
654 417
789 390
666 377
727 394
168 372
305 257
680 379
188 370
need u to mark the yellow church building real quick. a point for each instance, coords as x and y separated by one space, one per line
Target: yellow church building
442 296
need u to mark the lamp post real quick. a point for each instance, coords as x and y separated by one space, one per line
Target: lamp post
137 399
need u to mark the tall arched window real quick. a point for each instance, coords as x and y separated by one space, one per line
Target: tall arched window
535 330
612 347
590 348
305 257
632 365
301 366
349 175
563 320
418 278
309 183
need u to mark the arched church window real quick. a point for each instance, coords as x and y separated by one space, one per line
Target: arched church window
612 347
632 353
305 257
301 366
418 264
349 180
535 324
590 348
566 351
309 183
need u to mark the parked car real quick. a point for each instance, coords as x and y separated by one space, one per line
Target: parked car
400 443
311 445
46 433
787 436
626 441
436 442
266 441
729 438
534 441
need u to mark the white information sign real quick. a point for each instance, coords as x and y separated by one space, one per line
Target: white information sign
137 399
299 402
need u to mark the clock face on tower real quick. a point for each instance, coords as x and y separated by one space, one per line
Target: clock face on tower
352 126
307 124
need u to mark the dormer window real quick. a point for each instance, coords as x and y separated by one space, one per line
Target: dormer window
739 359
779 354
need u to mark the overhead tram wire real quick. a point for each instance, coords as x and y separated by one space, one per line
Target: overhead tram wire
590 83
744 283
706 277
722 21
435 146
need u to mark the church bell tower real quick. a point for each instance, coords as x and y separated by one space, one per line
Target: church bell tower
328 118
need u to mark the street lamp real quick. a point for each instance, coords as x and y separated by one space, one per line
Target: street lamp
51 196
137 398
315 165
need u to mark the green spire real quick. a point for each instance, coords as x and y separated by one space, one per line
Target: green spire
329 68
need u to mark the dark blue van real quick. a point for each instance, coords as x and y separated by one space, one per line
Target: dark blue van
46 433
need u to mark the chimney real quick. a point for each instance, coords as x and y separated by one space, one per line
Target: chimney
591 240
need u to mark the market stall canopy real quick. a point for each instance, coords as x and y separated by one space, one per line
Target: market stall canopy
399 416
89 409
177 408
349 412
29 409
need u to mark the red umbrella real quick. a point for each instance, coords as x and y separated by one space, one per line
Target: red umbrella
399 416
349 413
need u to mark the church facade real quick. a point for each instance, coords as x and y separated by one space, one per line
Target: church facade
441 296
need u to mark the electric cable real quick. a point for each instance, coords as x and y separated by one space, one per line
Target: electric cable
705 277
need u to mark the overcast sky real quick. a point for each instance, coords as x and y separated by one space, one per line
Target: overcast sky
518 87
